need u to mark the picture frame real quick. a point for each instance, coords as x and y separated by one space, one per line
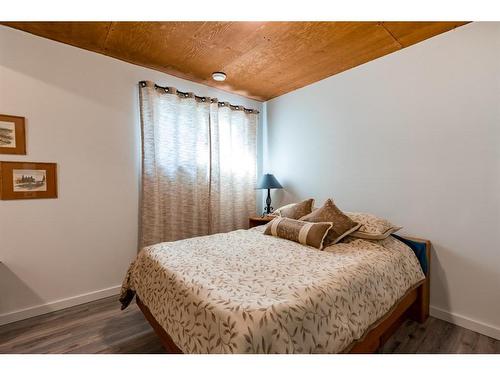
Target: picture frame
27 180
12 135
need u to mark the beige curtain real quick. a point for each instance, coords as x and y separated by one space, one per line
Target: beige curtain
198 165
233 168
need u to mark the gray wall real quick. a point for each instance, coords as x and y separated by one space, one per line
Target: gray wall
413 137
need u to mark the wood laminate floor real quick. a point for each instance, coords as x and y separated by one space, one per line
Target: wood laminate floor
100 327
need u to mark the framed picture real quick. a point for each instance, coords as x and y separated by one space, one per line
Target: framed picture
20 180
12 135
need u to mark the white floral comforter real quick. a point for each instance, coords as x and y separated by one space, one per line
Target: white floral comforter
245 292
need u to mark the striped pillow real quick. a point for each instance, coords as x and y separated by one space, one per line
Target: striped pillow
309 234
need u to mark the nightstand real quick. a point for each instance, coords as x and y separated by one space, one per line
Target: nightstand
259 220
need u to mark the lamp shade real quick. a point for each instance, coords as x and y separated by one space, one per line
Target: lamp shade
268 181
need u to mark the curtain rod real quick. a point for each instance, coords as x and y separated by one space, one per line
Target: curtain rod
173 90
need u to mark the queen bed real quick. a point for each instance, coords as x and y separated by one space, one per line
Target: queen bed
247 292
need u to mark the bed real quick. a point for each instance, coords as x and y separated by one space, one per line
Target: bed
246 292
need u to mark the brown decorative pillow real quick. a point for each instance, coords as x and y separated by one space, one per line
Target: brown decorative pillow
305 233
372 227
342 225
295 210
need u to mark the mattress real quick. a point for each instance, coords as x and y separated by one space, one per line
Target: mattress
246 292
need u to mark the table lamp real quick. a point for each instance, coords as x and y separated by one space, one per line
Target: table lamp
268 181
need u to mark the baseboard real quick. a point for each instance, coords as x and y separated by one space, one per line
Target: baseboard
57 305
463 321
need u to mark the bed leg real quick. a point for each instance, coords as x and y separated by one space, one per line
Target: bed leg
420 309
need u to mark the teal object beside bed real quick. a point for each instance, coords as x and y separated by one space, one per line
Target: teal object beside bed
419 248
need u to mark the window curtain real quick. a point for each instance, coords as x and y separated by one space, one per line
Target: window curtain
198 165
233 168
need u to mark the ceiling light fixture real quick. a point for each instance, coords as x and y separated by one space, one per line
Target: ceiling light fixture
219 76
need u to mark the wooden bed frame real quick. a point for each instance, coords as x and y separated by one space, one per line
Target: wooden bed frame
414 305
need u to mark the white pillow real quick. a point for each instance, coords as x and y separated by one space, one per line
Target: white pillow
372 227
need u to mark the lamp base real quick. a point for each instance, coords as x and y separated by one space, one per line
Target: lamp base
268 209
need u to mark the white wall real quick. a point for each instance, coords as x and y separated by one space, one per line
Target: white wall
414 137
81 110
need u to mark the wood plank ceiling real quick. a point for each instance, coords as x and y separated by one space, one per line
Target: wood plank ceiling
262 60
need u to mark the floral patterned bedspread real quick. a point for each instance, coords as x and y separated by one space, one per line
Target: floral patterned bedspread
245 292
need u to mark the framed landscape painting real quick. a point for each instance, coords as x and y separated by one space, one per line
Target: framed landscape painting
12 135
20 180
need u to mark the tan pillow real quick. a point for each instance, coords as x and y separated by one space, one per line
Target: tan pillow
372 227
310 234
342 225
295 210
